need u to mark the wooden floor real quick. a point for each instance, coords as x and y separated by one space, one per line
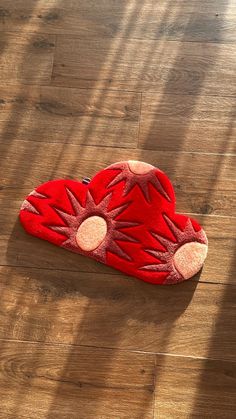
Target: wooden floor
84 83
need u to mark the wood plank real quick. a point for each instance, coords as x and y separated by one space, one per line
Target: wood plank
220 266
69 378
75 116
16 247
26 58
217 227
39 381
201 195
188 123
203 183
26 164
117 312
190 20
194 388
189 201
146 65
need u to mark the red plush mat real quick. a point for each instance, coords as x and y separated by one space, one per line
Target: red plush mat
124 217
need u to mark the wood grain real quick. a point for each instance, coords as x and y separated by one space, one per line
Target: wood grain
203 195
146 65
25 163
26 58
208 191
177 381
188 123
148 19
71 115
115 311
51 381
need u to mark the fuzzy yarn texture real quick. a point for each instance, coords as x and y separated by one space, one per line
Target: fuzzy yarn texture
124 217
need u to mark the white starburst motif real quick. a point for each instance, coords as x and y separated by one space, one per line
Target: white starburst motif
166 258
72 223
28 206
137 173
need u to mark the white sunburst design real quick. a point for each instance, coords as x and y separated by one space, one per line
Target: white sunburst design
97 220
183 258
138 173
28 206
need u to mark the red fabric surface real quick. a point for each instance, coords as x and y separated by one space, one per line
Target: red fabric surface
139 210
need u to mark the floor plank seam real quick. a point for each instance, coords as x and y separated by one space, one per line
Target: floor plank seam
140 118
112 348
53 58
115 274
144 150
155 382
111 89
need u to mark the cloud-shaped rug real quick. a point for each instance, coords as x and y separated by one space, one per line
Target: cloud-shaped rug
124 217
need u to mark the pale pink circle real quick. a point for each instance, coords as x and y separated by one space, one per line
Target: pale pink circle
189 258
139 167
91 233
